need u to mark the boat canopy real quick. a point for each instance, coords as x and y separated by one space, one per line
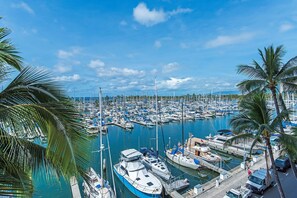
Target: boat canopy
131 154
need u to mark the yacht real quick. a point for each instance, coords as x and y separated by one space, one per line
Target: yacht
200 148
135 176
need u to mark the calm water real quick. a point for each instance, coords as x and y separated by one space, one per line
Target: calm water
139 137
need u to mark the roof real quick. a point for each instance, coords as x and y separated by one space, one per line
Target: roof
131 153
261 173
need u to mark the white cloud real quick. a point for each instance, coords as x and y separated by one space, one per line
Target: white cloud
24 7
170 67
63 54
286 27
179 11
115 71
96 63
103 71
152 17
74 77
229 40
62 68
174 83
158 44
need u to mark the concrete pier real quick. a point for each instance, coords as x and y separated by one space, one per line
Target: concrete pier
74 188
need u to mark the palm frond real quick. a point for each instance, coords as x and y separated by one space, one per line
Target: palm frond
252 85
14 181
8 53
250 71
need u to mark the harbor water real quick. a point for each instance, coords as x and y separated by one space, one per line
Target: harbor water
142 136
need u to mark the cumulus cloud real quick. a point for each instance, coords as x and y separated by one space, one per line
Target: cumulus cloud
62 68
148 17
285 27
96 63
24 7
170 67
103 71
229 40
63 54
74 77
114 71
174 83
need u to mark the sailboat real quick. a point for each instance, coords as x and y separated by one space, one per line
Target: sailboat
94 185
177 154
151 158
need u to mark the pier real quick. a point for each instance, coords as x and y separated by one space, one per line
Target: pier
74 188
173 185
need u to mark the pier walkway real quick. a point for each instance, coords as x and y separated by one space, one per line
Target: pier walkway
74 188
238 178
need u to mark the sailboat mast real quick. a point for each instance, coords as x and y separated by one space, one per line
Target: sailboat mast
183 138
101 144
157 144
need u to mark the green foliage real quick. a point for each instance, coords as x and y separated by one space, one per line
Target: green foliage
33 104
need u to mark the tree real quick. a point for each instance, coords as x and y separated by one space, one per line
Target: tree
271 75
33 104
256 116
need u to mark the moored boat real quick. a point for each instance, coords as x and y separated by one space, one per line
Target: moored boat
135 176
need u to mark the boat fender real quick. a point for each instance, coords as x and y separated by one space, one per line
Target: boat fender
196 161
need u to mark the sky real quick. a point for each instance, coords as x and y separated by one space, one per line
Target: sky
186 46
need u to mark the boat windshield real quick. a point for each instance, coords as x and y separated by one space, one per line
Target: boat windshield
256 180
232 195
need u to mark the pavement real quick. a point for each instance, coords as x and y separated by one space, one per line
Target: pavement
239 178
289 184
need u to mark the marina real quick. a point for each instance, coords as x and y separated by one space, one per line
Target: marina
144 136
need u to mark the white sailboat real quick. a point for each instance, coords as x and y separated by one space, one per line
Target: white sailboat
94 185
177 154
151 158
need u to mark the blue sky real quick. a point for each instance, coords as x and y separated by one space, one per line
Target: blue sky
189 46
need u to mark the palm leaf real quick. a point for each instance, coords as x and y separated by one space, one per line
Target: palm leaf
8 53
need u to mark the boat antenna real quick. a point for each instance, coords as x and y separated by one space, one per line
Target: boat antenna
183 135
157 146
100 130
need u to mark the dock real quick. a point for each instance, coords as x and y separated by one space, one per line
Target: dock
74 188
173 185
207 164
228 149
138 122
118 125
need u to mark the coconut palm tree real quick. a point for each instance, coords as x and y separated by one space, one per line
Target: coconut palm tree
256 116
33 104
272 75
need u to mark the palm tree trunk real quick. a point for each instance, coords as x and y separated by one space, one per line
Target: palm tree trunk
279 186
273 90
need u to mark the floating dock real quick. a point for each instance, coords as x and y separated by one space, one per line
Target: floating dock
173 185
